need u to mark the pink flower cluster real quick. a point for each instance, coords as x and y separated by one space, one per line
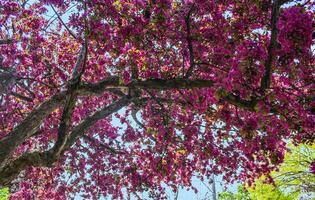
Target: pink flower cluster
295 30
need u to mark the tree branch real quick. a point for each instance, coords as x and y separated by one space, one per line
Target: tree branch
190 45
31 123
6 41
103 146
237 101
67 28
266 80
9 172
159 84
79 130
70 102
46 159
64 124
22 97
81 60
28 126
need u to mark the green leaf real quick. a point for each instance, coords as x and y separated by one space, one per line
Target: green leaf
4 193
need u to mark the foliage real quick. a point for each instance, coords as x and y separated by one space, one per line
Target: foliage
260 192
264 191
295 175
241 194
103 96
4 193
293 180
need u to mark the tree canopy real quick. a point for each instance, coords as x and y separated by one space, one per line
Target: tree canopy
203 87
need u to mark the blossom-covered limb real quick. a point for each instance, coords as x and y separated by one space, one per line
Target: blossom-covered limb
46 159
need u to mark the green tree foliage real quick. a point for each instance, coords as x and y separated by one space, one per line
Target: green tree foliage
293 180
294 175
4 193
263 191
242 194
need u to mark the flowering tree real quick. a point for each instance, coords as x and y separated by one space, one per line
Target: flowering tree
207 87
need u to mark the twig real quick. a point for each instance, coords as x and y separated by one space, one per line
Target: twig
67 28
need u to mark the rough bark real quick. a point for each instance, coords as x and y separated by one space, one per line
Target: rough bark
31 123
266 80
46 159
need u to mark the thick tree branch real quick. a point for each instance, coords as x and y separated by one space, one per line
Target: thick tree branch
266 80
237 101
9 172
70 102
28 126
46 159
79 130
159 84
64 124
